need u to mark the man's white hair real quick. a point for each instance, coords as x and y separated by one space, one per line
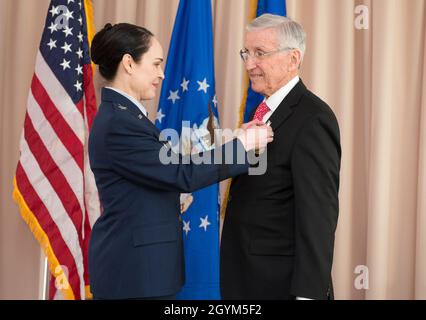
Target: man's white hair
290 34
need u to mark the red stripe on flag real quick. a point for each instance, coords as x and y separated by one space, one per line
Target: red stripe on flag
64 132
54 174
89 93
59 246
80 107
91 109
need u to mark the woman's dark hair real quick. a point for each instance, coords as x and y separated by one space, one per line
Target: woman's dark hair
112 42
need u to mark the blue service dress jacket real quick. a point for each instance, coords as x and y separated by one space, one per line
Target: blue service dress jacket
136 247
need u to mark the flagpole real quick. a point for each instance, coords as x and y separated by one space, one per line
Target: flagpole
44 275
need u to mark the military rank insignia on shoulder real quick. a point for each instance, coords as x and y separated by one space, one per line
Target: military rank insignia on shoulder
119 106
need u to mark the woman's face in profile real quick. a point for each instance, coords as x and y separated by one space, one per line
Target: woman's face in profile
149 72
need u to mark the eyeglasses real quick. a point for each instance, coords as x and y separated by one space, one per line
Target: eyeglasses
258 54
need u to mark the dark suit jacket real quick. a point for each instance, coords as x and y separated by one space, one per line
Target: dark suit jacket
278 233
135 248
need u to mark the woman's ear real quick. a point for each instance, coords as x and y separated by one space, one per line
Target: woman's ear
127 62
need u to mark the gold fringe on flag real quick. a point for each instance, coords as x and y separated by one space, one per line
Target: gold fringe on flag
88 9
90 25
54 266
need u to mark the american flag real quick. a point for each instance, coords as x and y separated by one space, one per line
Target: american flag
54 186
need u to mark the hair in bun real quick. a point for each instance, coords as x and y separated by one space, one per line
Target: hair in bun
108 26
112 42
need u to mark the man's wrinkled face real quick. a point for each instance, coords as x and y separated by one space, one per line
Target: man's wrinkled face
270 72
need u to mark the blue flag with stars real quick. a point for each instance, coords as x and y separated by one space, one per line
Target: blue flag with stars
188 103
277 7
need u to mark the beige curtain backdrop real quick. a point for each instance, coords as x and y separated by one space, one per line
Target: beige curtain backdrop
374 79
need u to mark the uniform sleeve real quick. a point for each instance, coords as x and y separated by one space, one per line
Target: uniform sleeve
315 166
135 155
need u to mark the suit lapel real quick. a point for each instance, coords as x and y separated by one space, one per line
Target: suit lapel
286 107
282 113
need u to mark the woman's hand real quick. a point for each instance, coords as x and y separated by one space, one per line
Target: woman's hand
255 135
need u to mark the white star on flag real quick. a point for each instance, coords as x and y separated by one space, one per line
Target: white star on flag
186 227
66 47
80 53
215 101
79 69
78 86
52 44
204 223
69 1
80 20
173 96
53 27
159 116
184 85
69 14
67 31
54 11
66 64
203 85
80 37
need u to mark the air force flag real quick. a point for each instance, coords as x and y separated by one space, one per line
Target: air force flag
188 104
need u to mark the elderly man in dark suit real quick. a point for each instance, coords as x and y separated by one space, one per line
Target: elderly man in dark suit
278 233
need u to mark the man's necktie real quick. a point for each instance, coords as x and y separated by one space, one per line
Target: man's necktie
261 110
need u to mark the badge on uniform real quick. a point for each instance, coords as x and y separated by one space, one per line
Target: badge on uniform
122 107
